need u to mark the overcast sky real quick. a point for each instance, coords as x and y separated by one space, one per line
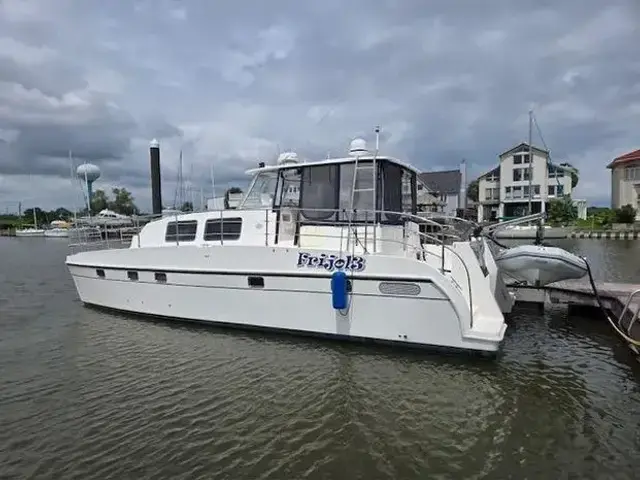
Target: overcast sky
232 82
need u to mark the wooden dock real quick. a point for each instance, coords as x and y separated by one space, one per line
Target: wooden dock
578 293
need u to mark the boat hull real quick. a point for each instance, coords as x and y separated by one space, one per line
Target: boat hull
57 233
30 233
540 265
406 308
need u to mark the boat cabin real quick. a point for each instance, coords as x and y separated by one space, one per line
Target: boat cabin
332 204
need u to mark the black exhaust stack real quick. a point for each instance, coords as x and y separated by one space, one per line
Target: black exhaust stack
156 189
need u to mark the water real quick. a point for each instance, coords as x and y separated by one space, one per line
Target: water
84 394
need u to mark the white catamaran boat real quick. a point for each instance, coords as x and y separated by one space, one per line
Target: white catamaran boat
331 248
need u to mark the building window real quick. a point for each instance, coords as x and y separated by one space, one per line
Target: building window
184 231
492 194
520 159
559 190
520 174
517 159
507 192
493 177
551 190
536 190
525 191
517 192
555 172
221 229
632 173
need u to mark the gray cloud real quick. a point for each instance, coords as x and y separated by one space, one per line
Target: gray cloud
232 84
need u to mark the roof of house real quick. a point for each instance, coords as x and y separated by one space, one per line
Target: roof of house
495 170
523 147
447 181
624 159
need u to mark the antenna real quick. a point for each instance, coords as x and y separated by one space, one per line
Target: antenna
213 183
530 157
377 130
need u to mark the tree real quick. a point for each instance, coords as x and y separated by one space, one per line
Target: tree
60 214
561 211
626 214
99 201
186 207
472 190
574 173
122 202
41 215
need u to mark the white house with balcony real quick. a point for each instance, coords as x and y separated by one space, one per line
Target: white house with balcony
625 181
504 192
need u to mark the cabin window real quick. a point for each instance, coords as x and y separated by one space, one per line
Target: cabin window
261 191
160 277
184 231
132 275
100 273
319 193
397 192
222 229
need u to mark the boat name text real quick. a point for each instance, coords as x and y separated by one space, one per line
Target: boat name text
332 262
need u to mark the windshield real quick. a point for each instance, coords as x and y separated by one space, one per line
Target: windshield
261 191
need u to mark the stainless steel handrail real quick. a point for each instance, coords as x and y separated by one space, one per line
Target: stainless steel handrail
626 307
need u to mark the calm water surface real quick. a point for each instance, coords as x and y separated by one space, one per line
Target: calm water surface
87 395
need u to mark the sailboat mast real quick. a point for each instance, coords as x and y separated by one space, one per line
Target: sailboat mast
530 158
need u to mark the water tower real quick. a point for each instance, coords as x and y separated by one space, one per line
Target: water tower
88 173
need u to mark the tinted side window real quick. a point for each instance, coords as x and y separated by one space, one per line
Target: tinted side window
184 231
223 229
319 192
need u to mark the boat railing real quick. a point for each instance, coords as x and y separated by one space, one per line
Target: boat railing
491 229
100 234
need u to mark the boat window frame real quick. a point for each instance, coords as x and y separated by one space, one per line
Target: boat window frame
334 217
232 236
176 236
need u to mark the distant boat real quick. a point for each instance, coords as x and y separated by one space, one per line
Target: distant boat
107 218
30 232
59 229
529 232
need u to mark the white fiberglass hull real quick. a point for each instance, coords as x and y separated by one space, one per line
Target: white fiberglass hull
413 305
540 265
57 233
30 232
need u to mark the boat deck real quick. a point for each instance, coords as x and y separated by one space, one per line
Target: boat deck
621 299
